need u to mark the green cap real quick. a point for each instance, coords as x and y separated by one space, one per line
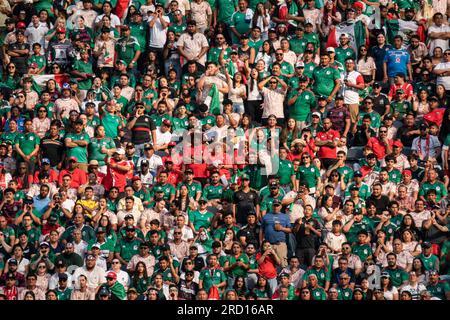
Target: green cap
122 62
245 177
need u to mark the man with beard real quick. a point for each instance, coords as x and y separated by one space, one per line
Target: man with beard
193 45
326 140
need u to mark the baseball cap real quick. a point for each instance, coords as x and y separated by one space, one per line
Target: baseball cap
426 245
344 35
135 178
274 185
129 216
276 202
95 245
358 5
165 247
74 159
101 230
132 290
202 201
130 228
60 263
321 97
300 64
245 177
377 84
317 114
303 79
284 274
125 27
385 275
122 62
104 291
60 30
354 188
20 32
62 276
398 143
111 274
358 174
90 257
43 244
93 162
45 160
119 151
423 126
148 146
188 171
331 49
399 91
167 123
406 172
388 117
21 25
329 185
12 261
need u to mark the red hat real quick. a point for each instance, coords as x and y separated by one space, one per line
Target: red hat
111 275
406 172
398 143
358 5
61 30
167 122
172 144
135 178
21 25
73 159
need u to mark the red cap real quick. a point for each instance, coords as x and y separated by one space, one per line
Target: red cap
73 159
111 275
358 5
135 178
398 143
167 122
61 30
21 25
172 144
407 172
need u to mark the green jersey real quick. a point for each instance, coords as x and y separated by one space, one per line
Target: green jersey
139 31
345 294
79 152
64 294
343 54
309 175
319 294
28 142
211 277
298 45
166 188
49 107
39 60
238 271
364 191
398 276
241 21
322 275
324 80
430 263
362 251
192 187
346 172
352 234
214 53
266 204
395 176
285 171
84 67
439 290
127 249
127 48
95 147
374 116
302 106
111 122
399 109
219 234
200 219
439 187
180 123
211 192
225 9
9 136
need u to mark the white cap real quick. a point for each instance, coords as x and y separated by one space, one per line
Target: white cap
120 151
330 49
300 64
344 35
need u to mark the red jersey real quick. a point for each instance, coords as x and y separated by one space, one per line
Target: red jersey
10 293
378 147
79 177
407 89
116 177
53 176
267 268
175 176
326 152
200 169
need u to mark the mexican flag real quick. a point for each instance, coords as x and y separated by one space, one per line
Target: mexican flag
213 101
400 27
41 80
355 30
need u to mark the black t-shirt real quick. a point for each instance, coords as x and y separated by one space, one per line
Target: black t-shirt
187 291
21 62
380 103
245 202
381 203
251 234
307 241
53 149
406 140
360 138
141 131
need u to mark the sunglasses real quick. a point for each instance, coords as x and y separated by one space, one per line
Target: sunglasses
273 82
383 131
177 233
12 67
115 262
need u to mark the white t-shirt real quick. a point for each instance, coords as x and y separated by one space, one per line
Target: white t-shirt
158 34
389 295
444 80
351 95
163 137
443 43
335 242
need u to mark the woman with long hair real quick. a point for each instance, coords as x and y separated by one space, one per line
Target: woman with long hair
337 180
239 286
11 77
410 244
408 224
52 86
389 290
261 19
437 56
254 99
443 97
140 280
421 104
419 268
265 53
262 289
331 17
43 276
5 177
170 54
23 177
238 92
289 134
366 66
